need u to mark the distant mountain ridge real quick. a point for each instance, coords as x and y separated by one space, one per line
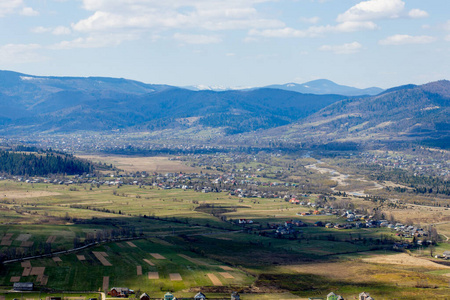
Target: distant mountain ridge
65 104
324 87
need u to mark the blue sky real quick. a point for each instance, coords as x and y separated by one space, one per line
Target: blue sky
230 42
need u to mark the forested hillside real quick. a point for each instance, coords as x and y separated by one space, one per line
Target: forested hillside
33 164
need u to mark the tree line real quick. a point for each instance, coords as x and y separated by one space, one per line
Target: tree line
31 164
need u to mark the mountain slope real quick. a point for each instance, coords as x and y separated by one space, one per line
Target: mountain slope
411 113
34 104
323 86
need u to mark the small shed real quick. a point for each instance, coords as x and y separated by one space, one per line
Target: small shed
23 286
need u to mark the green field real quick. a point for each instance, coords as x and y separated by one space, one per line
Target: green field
198 226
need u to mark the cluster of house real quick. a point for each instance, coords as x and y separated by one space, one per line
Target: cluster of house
289 227
125 292
333 296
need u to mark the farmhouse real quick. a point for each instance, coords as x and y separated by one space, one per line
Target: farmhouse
200 296
446 254
120 292
144 296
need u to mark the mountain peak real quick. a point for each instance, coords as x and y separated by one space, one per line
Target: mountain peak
325 86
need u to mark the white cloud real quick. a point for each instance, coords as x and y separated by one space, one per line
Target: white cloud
94 41
446 26
197 38
403 39
8 7
313 31
61 30
29 12
417 13
20 53
349 48
114 15
40 29
286 32
373 10
312 20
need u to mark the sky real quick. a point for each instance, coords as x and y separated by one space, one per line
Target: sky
230 43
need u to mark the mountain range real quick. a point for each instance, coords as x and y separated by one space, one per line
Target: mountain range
324 87
31 104
66 104
317 87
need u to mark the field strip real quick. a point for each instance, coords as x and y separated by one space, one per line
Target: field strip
139 270
15 279
149 262
26 272
2 297
214 279
120 245
226 268
51 239
26 264
131 244
105 283
102 259
104 254
175 277
8 236
44 279
194 261
27 244
5 242
57 259
37 271
160 241
226 275
153 275
157 256
404 259
23 237
81 257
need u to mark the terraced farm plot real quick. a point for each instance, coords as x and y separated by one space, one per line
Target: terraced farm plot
157 256
23 237
57 259
149 262
153 275
101 258
139 270
215 281
105 283
131 244
226 275
81 257
15 279
175 277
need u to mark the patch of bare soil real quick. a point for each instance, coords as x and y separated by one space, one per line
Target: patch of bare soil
404 259
215 281
175 277
27 194
157 256
153 275
149 164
